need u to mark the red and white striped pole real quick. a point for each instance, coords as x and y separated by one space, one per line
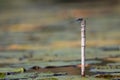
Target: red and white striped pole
83 45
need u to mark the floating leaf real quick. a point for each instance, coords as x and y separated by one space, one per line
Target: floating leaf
2 75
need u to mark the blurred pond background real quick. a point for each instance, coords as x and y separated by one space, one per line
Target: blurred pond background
46 29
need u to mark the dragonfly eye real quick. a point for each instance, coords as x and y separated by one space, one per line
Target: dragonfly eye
79 19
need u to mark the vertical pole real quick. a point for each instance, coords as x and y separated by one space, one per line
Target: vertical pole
83 45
